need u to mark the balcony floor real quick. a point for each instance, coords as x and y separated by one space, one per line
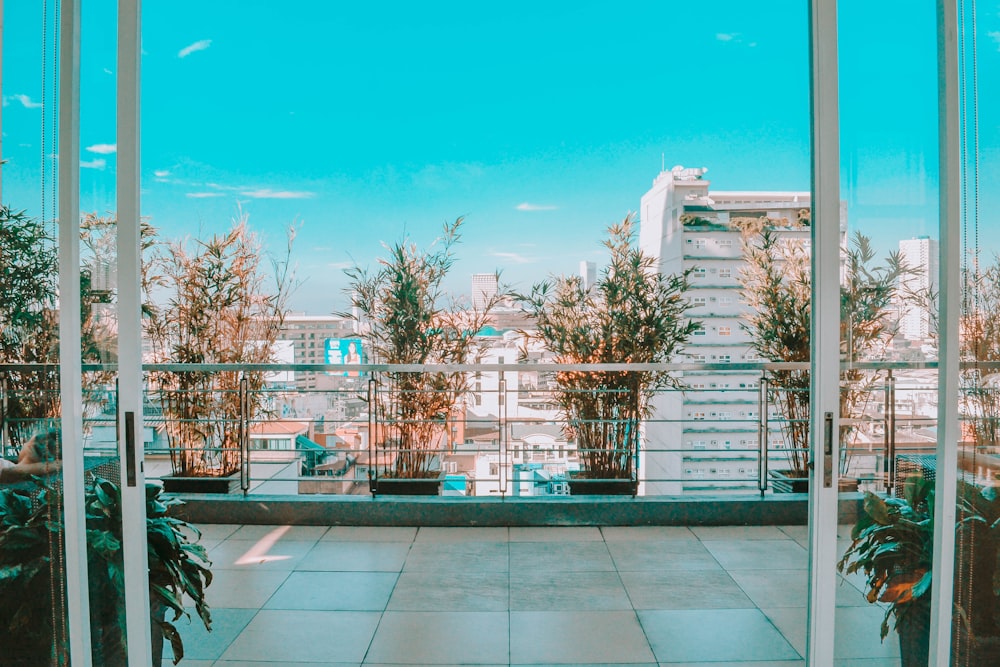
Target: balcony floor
310 595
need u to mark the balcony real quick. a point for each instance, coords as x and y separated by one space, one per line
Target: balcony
295 595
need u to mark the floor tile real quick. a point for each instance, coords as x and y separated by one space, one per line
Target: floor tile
714 635
555 534
789 588
436 534
334 591
798 533
289 533
739 663
355 557
567 591
560 557
282 663
307 636
856 632
696 589
759 554
643 533
240 554
708 533
477 557
369 534
657 555
455 591
413 637
243 588
577 637
217 531
200 644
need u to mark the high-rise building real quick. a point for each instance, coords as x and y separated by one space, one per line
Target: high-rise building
484 288
588 274
712 427
921 255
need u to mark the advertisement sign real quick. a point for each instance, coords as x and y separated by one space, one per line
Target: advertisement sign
344 351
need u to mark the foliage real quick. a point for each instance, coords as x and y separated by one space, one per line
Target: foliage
893 544
633 314
978 543
777 287
980 342
28 323
406 317
220 312
31 535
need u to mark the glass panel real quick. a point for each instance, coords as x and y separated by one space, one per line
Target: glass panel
888 316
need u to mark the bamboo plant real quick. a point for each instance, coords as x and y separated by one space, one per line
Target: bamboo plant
407 317
633 314
777 288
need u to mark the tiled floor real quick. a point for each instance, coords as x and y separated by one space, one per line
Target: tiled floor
311 596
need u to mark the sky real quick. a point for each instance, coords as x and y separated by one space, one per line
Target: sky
540 123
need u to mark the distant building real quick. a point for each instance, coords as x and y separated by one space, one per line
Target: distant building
484 288
921 254
588 274
711 429
307 335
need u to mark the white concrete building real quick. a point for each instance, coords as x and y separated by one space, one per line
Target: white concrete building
588 273
921 254
484 288
707 437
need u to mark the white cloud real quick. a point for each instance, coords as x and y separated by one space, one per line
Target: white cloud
535 207
995 36
103 149
161 173
200 45
25 101
726 36
340 266
107 71
96 163
267 193
512 257
203 195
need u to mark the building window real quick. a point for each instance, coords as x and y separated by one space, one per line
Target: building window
698 415
724 358
725 331
698 301
699 272
725 273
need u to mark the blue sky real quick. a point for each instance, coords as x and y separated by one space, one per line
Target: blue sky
540 122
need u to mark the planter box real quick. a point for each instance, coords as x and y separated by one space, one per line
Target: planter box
581 486
227 484
782 483
419 486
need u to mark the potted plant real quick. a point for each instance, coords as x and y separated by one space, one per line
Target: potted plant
892 545
30 567
633 314
777 288
406 318
221 312
977 565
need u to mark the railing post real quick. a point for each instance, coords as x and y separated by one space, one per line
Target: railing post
372 424
762 436
502 443
244 435
891 450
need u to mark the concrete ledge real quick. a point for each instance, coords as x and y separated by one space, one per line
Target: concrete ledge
791 509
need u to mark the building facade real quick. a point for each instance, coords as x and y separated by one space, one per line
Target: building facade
921 255
708 436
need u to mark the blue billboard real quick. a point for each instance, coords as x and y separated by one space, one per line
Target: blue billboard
344 351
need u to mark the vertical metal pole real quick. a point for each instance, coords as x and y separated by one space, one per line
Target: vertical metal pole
70 371
130 336
825 330
504 457
942 586
1 105
244 435
892 433
762 437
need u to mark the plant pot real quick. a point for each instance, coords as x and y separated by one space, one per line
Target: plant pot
178 484
580 485
408 486
915 636
782 482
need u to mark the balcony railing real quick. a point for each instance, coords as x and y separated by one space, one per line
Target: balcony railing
314 429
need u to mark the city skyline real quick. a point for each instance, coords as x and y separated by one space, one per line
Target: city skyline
540 125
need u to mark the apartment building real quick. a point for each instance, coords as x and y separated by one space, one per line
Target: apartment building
707 437
307 335
921 254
